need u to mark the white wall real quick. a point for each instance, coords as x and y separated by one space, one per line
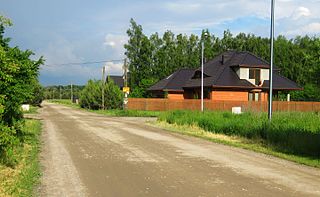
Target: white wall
264 74
243 73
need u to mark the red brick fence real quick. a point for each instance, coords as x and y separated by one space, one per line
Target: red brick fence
192 104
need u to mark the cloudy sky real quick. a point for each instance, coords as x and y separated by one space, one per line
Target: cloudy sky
68 31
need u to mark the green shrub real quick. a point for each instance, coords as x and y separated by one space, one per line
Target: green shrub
18 76
8 141
90 96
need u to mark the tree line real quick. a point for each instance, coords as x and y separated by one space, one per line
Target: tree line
62 91
152 58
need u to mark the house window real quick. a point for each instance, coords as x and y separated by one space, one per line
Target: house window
254 73
254 96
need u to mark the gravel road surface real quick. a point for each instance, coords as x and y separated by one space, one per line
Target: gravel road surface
85 154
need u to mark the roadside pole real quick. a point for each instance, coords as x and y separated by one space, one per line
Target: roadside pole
71 96
60 92
271 61
102 87
125 89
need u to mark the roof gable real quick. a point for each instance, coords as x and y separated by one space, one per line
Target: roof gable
173 82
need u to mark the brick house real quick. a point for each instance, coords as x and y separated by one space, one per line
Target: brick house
230 76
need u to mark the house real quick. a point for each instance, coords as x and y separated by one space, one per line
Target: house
118 80
172 86
230 76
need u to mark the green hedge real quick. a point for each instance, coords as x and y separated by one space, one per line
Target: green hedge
297 133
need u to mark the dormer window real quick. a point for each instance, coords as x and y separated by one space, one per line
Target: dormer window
255 73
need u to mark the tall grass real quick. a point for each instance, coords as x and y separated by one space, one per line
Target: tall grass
24 177
295 133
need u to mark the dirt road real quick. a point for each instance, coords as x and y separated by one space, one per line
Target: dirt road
86 154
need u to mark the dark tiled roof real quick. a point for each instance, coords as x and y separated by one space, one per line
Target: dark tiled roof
118 80
173 82
281 83
220 72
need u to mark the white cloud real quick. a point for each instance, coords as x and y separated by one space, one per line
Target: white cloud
310 29
116 43
301 12
114 68
182 7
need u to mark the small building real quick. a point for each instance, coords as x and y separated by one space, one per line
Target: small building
230 76
118 80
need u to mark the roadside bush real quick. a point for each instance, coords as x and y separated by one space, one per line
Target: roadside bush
37 96
90 96
297 133
113 95
8 141
18 76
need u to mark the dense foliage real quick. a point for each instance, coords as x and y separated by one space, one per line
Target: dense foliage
91 95
153 58
62 92
18 82
296 133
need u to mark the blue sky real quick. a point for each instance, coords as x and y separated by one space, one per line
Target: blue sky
66 31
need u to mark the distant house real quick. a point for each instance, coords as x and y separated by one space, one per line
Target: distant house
118 80
231 76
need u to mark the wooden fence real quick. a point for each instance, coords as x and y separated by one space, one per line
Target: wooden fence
192 104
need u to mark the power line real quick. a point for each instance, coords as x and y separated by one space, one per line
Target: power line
81 63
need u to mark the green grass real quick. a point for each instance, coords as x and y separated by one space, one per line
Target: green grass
127 113
110 112
66 102
289 133
33 110
22 179
236 141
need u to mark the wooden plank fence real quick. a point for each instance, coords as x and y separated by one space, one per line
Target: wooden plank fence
151 104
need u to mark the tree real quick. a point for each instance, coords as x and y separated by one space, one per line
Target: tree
91 98
18 75
139 52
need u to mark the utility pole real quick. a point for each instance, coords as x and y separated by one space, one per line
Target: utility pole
102 86
60 92
202 62
271 61
71 96
125 88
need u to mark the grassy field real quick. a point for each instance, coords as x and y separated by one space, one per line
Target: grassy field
293 136
21 180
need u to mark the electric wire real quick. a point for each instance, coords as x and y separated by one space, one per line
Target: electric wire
82 63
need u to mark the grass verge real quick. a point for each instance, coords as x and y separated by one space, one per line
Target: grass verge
236 141
33 110
21 180
110 112
66 102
